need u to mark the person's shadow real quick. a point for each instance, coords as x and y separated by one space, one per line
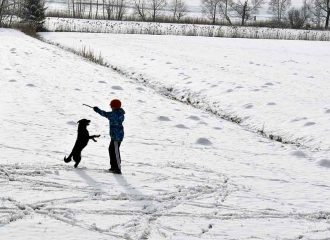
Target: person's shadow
131 190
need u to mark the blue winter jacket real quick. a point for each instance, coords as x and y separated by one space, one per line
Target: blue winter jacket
116 118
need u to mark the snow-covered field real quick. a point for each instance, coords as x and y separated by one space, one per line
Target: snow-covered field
154 28
187 174
280 87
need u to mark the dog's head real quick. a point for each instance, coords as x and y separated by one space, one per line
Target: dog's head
84 122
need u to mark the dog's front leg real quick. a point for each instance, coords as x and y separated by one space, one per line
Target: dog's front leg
93 137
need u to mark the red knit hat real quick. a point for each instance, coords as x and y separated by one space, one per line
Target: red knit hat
115 103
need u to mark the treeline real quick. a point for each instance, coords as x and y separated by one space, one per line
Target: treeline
27 14
311 14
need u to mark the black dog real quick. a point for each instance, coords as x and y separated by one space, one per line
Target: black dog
81 142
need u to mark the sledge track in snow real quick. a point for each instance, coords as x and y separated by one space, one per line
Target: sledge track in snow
144 220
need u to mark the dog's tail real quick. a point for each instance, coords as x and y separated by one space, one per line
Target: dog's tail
67 159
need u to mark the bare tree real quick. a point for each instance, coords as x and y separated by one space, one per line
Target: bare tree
90 14
278 8
322 8
178 8
121 9
224 9
317 14
245 9
156 7
116 9
141 7
299 16
211 9
97 9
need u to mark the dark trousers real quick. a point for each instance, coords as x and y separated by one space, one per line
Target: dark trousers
114 153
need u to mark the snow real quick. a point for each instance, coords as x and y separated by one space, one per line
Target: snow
175 185
279 87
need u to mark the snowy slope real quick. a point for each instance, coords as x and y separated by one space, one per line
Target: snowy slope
187 174
280 87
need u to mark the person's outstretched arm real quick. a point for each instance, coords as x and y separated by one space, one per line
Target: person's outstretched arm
101 112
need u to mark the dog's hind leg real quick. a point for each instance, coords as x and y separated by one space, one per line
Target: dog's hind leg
77 159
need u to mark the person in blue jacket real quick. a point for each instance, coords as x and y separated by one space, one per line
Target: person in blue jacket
116 118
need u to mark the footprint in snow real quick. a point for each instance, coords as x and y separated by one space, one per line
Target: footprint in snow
140 89
189 82
204 141
117 88
248 106
299 154
229 90
168 63
12 80
30 85
271 103
72 123
310 77
164 119
324 163
217 128
256 90
203 123
7 69
269 84
141 101
102 82
309 124
182 126
327 111
194 117
77 89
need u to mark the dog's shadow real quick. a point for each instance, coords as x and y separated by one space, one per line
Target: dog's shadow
89 180
121 180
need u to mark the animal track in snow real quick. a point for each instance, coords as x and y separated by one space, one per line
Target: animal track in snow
117 88
204 141
324 163
271 103
164 119
71 123
309 124
299 154
182 126
194 117
248 106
